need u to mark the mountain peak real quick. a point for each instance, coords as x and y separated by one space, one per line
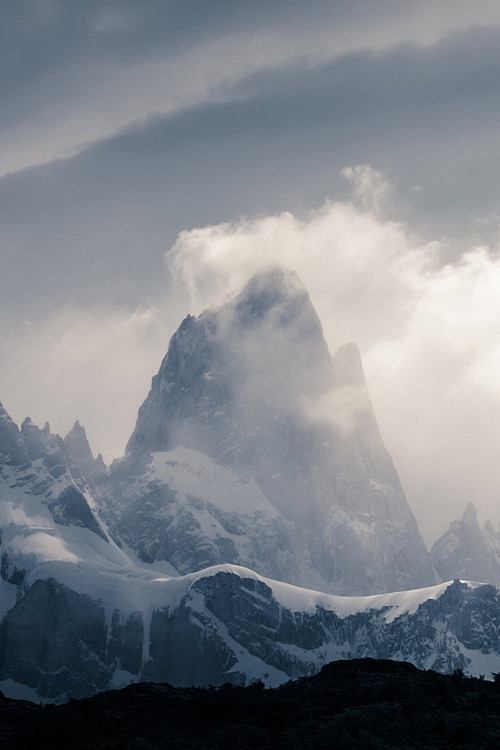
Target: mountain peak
77 431
251 385
467 552
41 443
78 450
276 290
264 343
470 514
488 528
274 279
11 443
348 366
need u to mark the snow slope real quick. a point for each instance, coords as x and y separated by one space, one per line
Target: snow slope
81 614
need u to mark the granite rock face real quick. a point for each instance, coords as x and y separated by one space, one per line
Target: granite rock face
248 389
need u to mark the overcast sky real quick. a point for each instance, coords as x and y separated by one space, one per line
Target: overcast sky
154 153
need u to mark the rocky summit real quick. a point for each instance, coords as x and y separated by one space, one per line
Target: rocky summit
468 551
256 447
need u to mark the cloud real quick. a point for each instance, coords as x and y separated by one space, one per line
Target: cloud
95 366
357 266
428 331
438 393
369 186
86 73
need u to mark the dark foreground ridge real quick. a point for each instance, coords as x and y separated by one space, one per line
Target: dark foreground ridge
364 703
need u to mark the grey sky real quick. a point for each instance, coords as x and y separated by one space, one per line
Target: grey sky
125 123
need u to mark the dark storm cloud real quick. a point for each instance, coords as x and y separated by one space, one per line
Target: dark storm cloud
47 46
104 218
77 73
42 36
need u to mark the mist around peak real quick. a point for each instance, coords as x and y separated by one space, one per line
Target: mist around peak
261 354
250 384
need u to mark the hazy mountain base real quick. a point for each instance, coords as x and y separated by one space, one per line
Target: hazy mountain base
362 703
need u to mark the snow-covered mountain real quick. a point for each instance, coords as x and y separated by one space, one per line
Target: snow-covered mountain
84 625
256 463
256 447
81 614
38 487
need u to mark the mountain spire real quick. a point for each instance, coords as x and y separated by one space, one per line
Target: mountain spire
250 385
